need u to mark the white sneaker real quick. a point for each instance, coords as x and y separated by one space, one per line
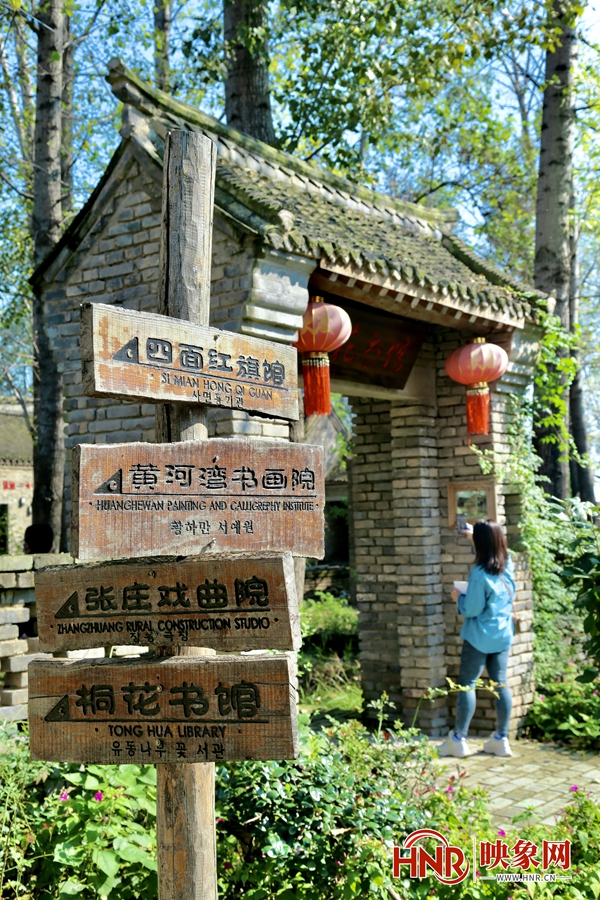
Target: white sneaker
452 747
499 746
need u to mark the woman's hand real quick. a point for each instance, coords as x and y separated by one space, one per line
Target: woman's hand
455 595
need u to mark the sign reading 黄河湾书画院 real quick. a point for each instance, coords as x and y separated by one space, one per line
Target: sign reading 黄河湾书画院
175 709
197 497
233 603
128 354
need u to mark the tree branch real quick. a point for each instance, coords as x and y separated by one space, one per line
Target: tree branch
16 189
90 25
12 99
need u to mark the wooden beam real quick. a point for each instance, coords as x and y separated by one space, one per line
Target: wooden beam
187 844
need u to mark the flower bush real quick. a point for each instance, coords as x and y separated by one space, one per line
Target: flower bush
320 827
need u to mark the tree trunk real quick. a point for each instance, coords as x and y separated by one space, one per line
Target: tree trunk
247 99
66 151
162 34
582 479
552 271
48 456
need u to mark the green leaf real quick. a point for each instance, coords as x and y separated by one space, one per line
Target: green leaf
70 888
55 56
587 676
107 861
130 853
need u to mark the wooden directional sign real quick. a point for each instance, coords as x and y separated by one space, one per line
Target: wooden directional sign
175 709
239 603
197 497
131 354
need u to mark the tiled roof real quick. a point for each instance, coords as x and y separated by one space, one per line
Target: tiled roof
16 444
298 207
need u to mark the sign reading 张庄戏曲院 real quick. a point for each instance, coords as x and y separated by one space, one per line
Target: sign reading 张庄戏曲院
128 354
234 603
197 497
175 709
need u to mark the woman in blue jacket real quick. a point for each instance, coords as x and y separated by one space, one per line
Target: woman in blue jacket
487 633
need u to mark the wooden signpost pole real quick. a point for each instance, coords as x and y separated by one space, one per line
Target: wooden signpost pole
186 835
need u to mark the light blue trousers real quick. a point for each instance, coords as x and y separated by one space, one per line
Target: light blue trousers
472 664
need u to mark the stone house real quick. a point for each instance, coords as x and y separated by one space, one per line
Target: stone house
284 229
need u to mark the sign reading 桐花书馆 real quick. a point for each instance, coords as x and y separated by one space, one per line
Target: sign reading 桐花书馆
234 603
197 497
131 354
175 709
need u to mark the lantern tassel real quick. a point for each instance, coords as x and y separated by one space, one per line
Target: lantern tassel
315 372
478 408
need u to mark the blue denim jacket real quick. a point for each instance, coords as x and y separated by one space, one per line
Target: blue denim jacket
487 608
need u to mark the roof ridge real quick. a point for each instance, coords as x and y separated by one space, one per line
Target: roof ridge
119 73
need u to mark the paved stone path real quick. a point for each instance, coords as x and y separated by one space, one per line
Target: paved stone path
538 776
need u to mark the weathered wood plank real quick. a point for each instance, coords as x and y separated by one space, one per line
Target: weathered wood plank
130 354
178 709
232 604
185 808
197 497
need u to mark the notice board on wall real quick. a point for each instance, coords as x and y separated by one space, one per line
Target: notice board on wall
382 348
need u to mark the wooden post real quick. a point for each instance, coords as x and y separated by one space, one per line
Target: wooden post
185 819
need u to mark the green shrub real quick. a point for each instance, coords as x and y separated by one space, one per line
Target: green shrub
327 617
320 827
566 711
75 831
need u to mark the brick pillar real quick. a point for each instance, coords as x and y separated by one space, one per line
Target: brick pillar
418 563
372 549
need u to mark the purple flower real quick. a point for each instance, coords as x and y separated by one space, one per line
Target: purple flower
63 797
226 865
594 692
574 788
98 796
541 698
501 832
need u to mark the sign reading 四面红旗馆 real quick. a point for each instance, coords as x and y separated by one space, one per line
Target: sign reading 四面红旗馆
128 354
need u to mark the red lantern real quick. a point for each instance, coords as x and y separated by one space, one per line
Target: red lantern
324 328
475 365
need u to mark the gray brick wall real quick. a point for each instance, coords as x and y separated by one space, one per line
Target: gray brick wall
405 556
118 263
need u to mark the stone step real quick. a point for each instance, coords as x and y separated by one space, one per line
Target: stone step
16 663
13 713
12 697
12 648
13 614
